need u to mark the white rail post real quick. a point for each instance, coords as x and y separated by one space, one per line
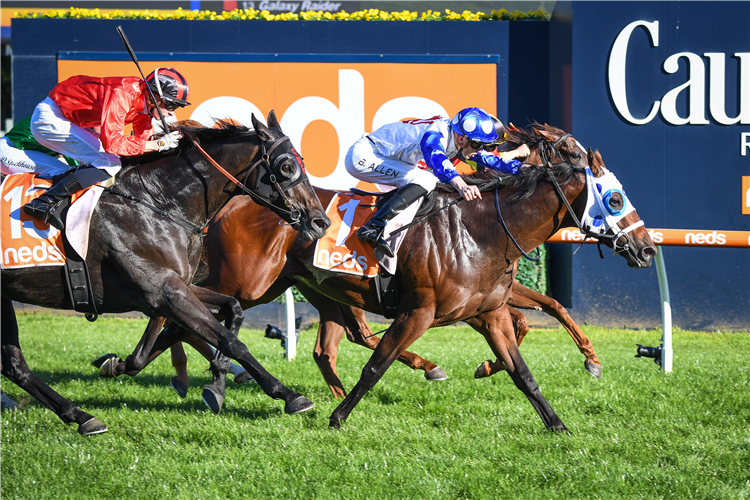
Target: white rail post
666 312
291 330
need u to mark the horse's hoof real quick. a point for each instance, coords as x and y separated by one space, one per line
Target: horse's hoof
243 377
213 399
98 362
334 423
436 373
91 426
109 367
593 369
180 388
298 405
7 403
483 370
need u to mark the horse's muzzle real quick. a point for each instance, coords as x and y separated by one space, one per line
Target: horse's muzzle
311 228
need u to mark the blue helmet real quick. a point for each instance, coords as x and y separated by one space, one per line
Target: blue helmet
475 124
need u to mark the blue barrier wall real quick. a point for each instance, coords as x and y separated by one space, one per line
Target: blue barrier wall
682 176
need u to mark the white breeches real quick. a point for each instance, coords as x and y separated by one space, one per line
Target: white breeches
365 164
18 161
52 130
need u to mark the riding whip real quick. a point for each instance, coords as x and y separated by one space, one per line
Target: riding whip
150 93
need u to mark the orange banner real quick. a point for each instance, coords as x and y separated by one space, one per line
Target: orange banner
323 107
26 241
673 237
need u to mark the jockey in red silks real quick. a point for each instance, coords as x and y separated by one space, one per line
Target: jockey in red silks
84 118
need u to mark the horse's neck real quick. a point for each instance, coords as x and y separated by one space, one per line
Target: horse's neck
533 220
188 183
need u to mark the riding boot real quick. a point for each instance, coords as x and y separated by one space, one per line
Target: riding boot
372 232
46 206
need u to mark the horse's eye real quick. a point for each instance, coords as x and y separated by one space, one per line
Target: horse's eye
615 202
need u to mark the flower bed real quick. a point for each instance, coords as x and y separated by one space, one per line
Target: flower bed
264 15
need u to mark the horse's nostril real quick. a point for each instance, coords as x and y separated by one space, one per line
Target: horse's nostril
649 251
322 222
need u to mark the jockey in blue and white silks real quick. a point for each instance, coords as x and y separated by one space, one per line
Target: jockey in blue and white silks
414 155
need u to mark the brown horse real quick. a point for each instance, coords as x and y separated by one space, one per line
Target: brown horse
145 247
336 320
450 267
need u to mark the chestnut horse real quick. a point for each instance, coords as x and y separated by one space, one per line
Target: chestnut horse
145 246
450 267
336 320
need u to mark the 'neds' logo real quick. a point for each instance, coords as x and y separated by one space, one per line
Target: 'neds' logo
712 238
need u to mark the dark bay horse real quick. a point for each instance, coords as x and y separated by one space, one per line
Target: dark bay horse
231 277
451 267
142 256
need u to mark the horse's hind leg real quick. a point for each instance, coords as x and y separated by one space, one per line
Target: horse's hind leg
6 403
526 298
15 368
496 327
520 329
138 360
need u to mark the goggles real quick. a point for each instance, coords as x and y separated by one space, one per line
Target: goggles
169 105
480 145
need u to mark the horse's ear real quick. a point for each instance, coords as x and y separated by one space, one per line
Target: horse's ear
272 121
547 135
596 163
261 129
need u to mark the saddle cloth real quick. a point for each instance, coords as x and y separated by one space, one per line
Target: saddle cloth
342 251
26 241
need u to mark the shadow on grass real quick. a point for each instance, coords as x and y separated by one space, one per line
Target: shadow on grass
191 403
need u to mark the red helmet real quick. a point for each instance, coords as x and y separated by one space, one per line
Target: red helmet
170 86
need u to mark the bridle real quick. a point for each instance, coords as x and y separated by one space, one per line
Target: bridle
547 151
270 168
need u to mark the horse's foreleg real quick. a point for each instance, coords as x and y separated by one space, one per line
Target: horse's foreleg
180 382
497 328
526 298
404 330
360 333
185 308
14 367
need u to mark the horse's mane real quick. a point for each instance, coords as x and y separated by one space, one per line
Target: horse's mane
524 183
530 136
190 128
223 129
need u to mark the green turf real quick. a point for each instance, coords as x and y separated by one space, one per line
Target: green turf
636 433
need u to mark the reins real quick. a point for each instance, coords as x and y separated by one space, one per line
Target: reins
293 214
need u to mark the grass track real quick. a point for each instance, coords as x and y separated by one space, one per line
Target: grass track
636 433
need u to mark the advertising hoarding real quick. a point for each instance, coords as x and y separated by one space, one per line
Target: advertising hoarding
324 107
